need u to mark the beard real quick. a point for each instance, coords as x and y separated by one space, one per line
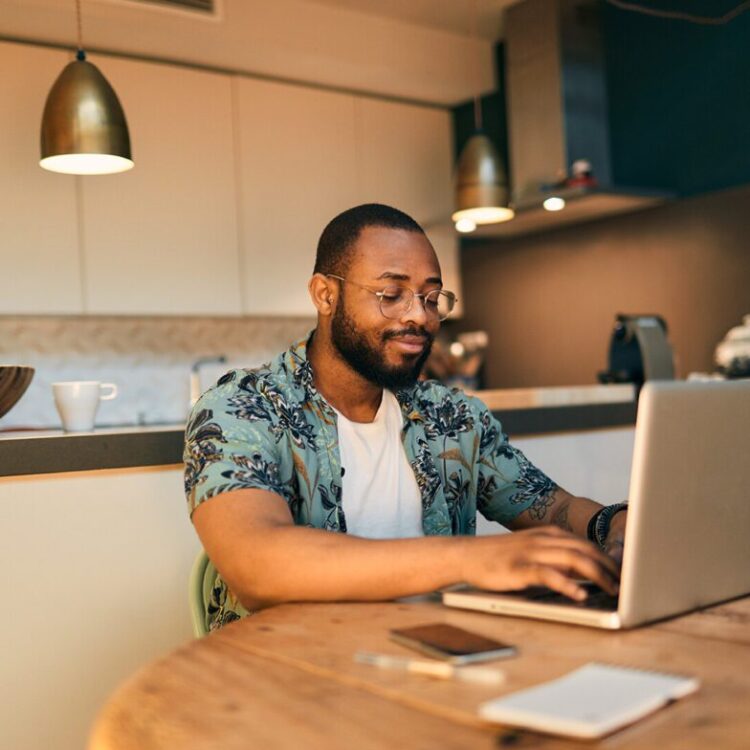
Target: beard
367 360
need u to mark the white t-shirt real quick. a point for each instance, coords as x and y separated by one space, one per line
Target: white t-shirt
380 494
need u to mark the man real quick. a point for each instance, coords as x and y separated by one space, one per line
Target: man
333 474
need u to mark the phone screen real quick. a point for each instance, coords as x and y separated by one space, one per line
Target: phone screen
448 641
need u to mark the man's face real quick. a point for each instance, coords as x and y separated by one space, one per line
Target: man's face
387 352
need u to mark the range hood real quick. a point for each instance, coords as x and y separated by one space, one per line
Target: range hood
557 114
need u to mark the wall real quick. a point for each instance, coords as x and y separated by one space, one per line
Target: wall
549 301
149 358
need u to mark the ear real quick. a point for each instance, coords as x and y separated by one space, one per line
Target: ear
323 292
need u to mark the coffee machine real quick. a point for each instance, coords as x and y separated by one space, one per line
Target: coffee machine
639 351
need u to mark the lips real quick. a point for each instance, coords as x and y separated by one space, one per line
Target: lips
410 344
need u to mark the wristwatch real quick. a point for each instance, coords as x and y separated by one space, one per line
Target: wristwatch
599 523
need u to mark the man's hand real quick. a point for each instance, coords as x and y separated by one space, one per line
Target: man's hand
614 543
573 514
545 556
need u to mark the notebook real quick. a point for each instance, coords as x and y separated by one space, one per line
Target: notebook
590 702
686 542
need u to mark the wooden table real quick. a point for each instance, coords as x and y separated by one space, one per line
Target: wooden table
286 678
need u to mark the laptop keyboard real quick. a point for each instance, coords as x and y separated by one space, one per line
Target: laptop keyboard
597 598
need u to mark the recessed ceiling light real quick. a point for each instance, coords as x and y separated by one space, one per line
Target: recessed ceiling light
465 225
555 203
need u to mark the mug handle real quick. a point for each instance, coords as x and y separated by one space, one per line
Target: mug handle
111 394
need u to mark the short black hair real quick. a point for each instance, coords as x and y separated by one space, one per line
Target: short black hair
341 234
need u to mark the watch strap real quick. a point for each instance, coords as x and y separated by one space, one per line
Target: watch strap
598 527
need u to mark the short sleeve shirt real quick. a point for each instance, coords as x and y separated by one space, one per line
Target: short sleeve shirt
268 428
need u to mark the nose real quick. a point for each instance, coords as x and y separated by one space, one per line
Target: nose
417 313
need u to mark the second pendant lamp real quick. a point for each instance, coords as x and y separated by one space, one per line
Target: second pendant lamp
481 184
84 130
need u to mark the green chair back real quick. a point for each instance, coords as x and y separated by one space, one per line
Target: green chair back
202 579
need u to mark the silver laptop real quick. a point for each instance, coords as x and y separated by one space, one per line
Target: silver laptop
686 543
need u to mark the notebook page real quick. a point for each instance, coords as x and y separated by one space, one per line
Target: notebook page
591 701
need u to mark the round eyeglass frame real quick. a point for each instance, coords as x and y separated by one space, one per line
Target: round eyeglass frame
410 295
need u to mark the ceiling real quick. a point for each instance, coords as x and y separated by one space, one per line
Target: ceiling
414 50
444 15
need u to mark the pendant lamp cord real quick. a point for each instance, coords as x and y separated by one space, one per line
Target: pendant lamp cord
80 54
478 66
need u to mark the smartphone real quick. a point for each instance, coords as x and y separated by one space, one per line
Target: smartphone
455 645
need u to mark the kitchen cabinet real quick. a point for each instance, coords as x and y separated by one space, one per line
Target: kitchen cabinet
297 165
406 152
405 155
234 180
105 559
162 238
38 211
305 155
445 242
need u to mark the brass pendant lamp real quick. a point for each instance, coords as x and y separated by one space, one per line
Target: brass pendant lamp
84 130
481 178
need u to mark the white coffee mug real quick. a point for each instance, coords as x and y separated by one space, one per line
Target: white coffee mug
77 402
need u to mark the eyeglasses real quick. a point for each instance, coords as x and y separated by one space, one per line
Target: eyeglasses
396 301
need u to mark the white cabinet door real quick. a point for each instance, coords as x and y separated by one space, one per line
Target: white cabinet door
406 156
162 238
297 171
40 270
445 242
406 160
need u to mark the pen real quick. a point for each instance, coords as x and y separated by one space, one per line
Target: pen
477 675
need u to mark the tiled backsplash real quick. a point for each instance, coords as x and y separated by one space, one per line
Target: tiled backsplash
149 358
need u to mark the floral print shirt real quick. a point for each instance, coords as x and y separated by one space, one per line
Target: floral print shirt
268 428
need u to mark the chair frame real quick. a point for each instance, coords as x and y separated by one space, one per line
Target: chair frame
196 594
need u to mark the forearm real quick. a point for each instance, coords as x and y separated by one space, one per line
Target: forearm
303 564
560 509
265 559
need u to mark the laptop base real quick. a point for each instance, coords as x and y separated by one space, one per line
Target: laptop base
517 605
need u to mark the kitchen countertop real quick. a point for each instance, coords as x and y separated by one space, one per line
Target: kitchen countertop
522 411
52 451
526 398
